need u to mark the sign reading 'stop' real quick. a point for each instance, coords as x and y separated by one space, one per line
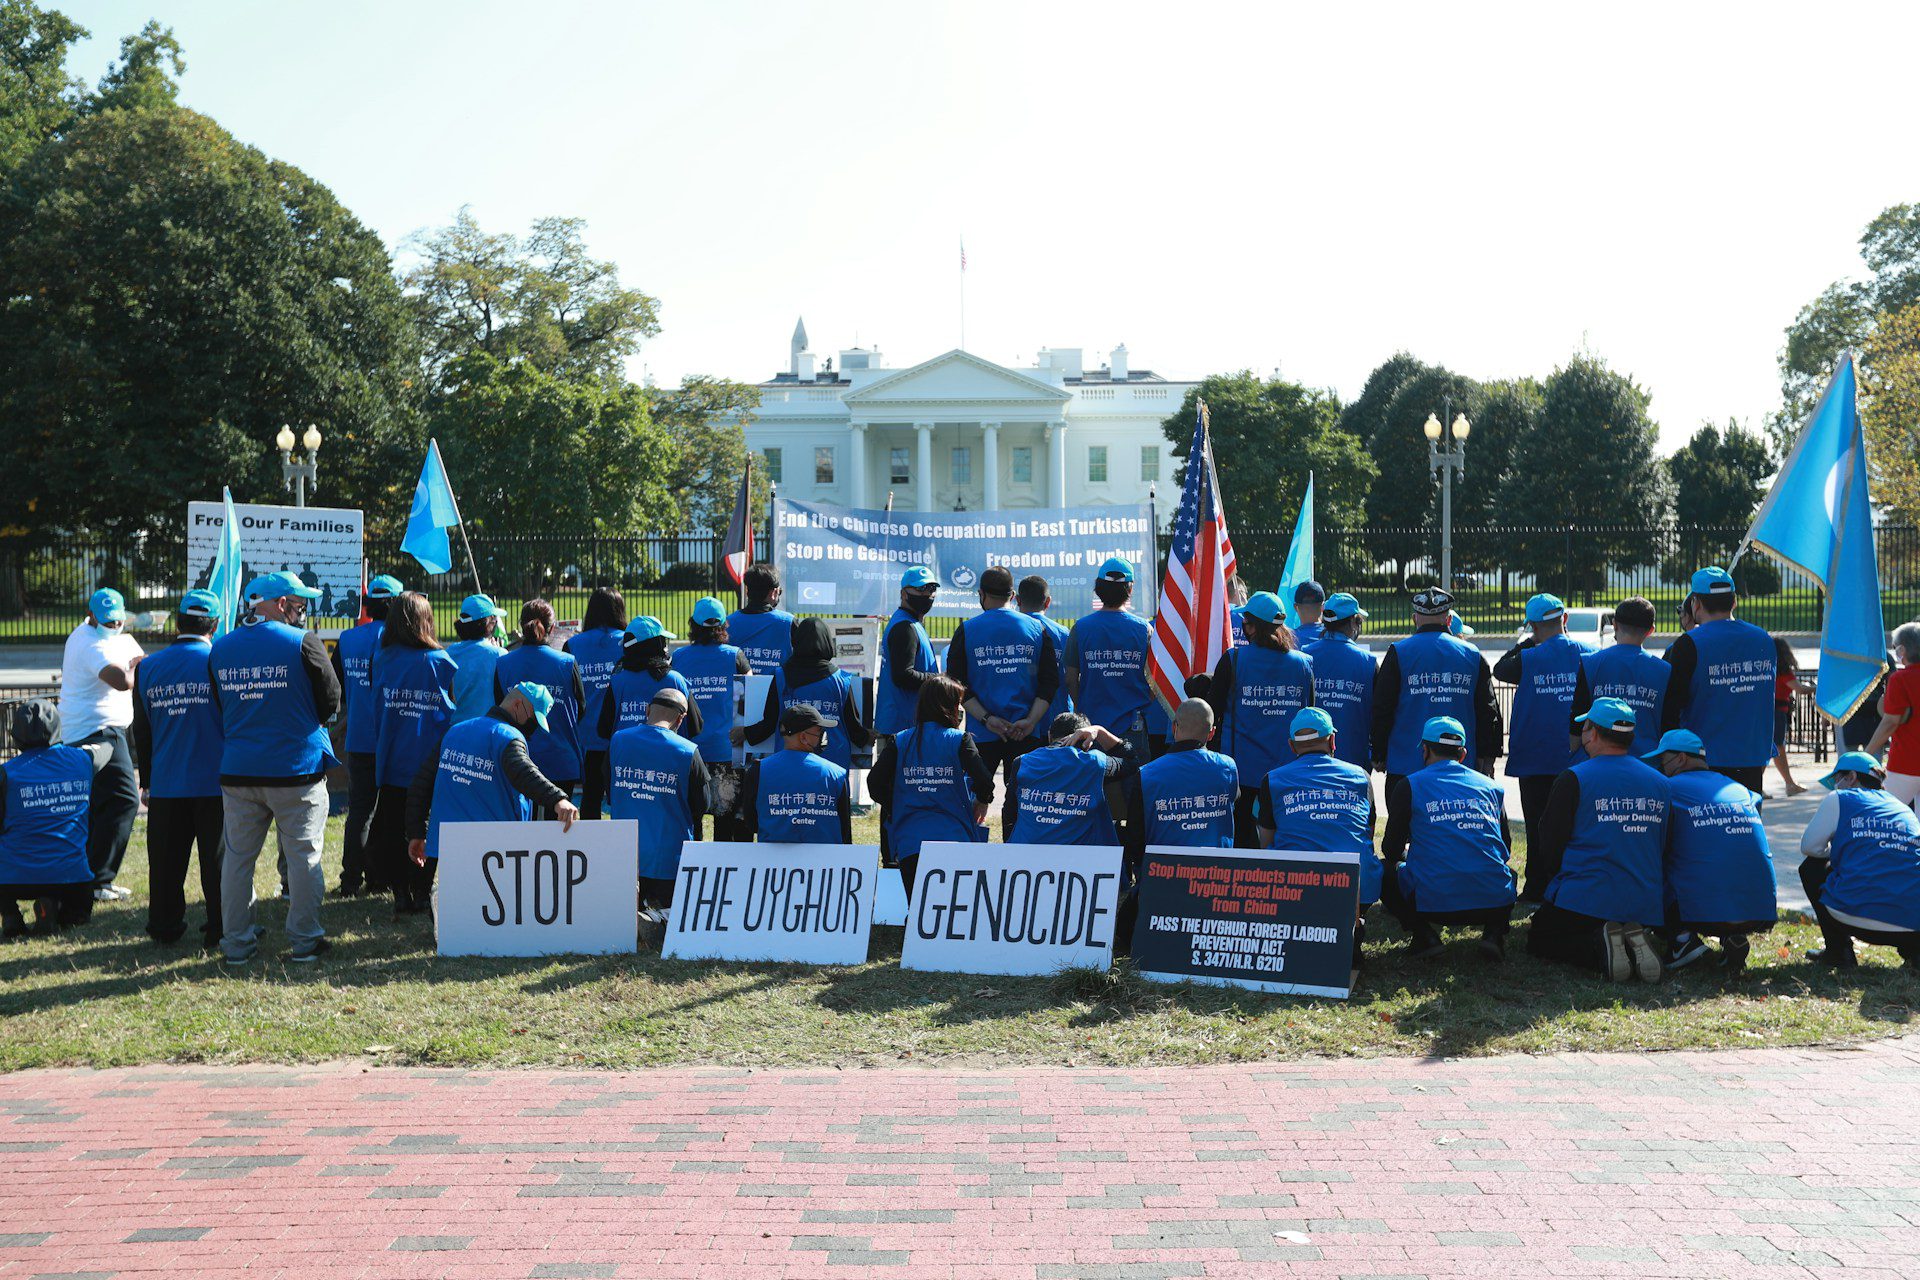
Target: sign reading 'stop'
531 889
1012 908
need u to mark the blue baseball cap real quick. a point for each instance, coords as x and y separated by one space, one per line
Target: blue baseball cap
106 605
1444 731
384 587
1685 741
919 576
709 612
200 604
645 628
1309 591
1610 713
1712 581
1116 569
1310 723
284 583
255 587
539 696
1851 762
476 607
1265 606
1545 607
1457 626
1341 606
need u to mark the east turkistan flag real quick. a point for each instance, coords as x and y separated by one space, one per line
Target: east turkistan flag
1818 518
1299 566
434 512
226 580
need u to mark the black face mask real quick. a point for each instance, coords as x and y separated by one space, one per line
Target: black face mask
918 606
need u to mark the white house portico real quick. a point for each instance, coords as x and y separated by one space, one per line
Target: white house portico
959 432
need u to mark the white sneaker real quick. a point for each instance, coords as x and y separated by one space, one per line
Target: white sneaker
105 894
123 894
1619 957
1646 958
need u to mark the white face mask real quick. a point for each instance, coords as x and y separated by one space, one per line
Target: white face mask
104 629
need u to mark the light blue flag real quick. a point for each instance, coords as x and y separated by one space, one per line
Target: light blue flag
1818 518
1299 566
226 581
434 512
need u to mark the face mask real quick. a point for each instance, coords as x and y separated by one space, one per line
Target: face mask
918 606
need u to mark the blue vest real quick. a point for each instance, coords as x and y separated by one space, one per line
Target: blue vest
1612 866
932 798
413 694
184 722
598 653
650 771
44 838
555 749
1437 673
1273 686
1322 804
271 727
1110 651
356 647
894 707
1343 672
1062 700
1309 633
1731 707
474 663
1456 860
710 669
469 785
799 798
1875 860
1003 665
1719 870
1063 798
1538 742
1637 678
1188 796
1236 621
632 691
766 638
829 697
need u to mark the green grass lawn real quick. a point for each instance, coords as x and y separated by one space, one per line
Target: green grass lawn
104 995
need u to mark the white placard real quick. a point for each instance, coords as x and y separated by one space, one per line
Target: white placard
322 546
753 706
1012 908
530 889
808 903
890 902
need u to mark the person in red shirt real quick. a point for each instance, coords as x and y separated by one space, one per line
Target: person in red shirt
1786 683
1897 725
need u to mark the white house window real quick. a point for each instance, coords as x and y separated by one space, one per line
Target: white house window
962 466
1096 464
823 464
1021 464
773 464
1149 462
898 472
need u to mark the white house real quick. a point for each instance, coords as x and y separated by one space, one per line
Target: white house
959 432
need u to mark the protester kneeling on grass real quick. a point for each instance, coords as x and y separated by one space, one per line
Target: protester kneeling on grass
660 782
483 773
797 795
1862 868
1604 834
1719 874
1058 793
1321 803
45 793
930 780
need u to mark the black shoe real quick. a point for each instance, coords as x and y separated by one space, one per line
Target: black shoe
13 925
1427 943
345 890
1492 949
311 954
1685 948
1734 952
46 917
1835 960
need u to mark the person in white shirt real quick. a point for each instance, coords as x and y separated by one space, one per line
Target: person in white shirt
96 706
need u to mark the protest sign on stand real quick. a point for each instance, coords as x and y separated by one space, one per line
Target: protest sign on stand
1012 908
531 889
809 903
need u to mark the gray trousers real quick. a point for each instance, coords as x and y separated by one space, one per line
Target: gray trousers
299 815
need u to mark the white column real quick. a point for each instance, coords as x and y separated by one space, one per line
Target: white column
857 464
1057 463
923 464
990 464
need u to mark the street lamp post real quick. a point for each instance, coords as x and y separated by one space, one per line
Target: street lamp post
1443 460
298 473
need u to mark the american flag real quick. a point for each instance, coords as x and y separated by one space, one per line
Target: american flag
1192 627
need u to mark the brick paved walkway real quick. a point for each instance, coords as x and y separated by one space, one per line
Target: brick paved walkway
1773 1163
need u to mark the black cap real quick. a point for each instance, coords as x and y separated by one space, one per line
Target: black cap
1433 601
35 723
1309 592
803 716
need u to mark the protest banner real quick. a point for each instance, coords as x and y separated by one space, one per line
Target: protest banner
850 559
806 903
530 889
1012 908
1270 920
322 546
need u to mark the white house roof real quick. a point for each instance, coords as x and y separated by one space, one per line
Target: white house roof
957 376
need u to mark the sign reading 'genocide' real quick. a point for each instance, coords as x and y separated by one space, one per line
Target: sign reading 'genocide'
811 903
1273 921
1012 908
530 889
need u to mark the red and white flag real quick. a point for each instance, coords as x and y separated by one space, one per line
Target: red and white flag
738 549
1194 626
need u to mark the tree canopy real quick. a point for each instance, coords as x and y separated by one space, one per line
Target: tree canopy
1890 408
708 454
1406 495
1717 476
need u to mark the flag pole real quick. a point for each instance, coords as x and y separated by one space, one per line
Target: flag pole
459 519
749 506
1153 545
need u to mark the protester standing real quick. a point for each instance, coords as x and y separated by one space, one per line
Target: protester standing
1625 670
554 742
660 782
1106 660
45 795
1787 685
353 657
906 652
1005 660
474 655
809 677
1722 683
929 780
1544 669
711 666
1034 598
1429 674
1309 605
1255 692
760 628
177 744
1898 734
1448 847
644 670
597 649
796 795
96 706
1343 675
413 703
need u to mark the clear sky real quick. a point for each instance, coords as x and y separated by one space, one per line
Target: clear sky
1219 186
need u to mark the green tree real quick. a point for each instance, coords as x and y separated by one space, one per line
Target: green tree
541 298
1363 414
706 420
1717 476
1890 408
146 74
1267 435
37 95
1403 505
172 297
